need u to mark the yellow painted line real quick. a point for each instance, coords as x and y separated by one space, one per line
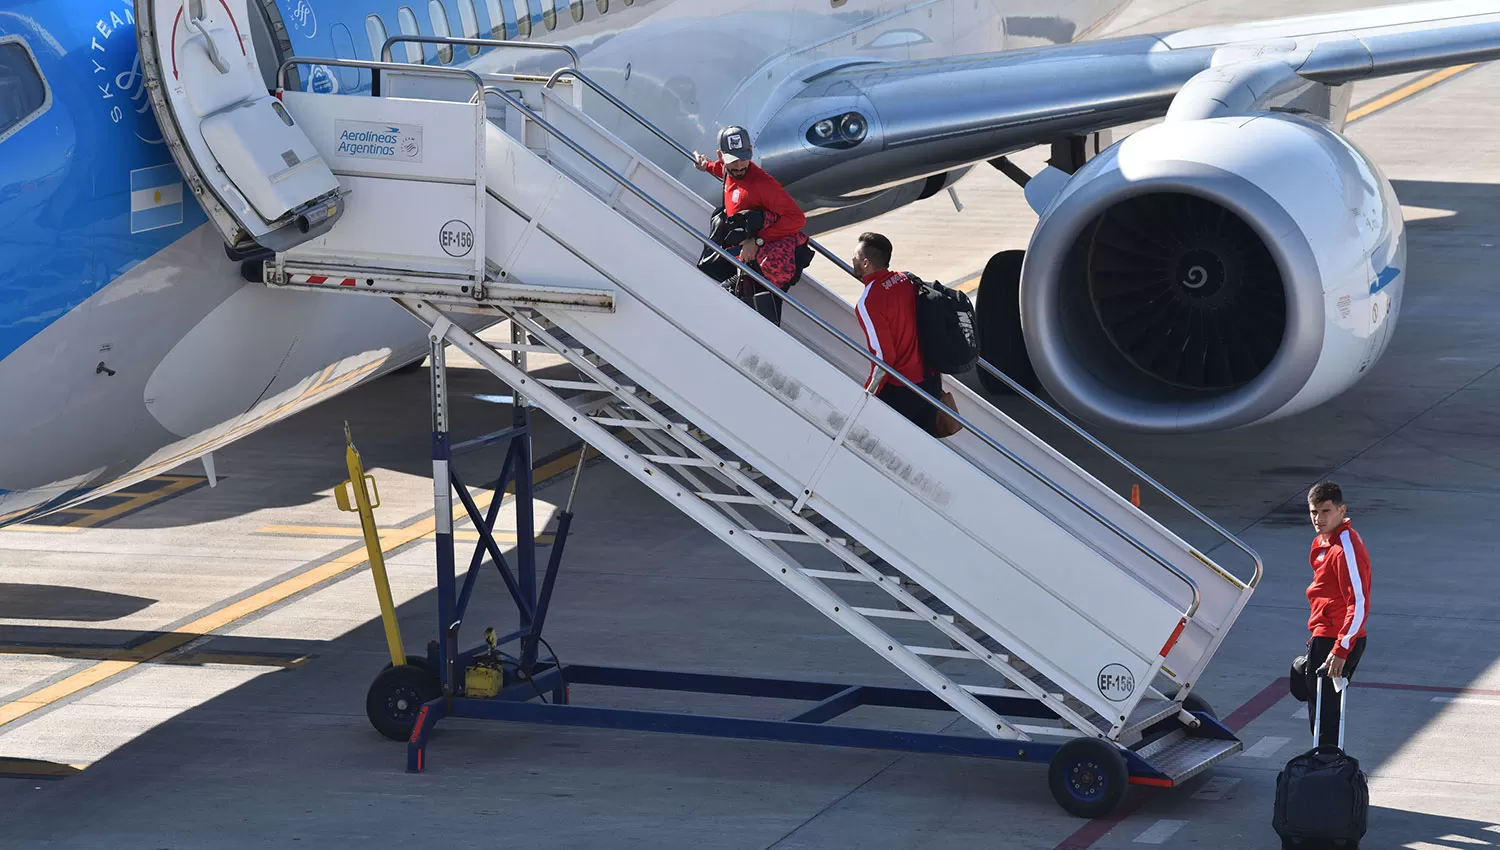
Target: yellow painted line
172 485
177 638
1411 89
212 622
86 653
37 769
46 529
86 517
343 531
312 530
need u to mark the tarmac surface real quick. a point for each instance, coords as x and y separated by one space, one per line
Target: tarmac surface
185 667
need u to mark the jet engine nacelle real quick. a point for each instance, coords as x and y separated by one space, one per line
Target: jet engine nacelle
1214 273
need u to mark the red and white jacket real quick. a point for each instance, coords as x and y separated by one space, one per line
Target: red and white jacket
887 312
1339 596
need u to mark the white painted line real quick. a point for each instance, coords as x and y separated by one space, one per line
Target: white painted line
1300 713
1464 839
1265 747
1216 788
1160 831
1468 699
1495 828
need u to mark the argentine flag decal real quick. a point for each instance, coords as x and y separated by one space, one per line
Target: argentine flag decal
155 198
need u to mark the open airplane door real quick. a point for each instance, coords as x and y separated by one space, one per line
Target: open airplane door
252 168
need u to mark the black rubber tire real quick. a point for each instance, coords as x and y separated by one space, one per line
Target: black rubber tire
1195 702
1088 777
415 661
396 698
998 315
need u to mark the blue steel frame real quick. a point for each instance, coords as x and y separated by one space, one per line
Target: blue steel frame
524 701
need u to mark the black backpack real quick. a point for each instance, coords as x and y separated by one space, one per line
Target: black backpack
946 331
728 231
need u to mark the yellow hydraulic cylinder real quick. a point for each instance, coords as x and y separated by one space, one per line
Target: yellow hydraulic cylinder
366 500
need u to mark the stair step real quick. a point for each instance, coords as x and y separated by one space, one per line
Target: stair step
588 386
835 575
941 652
588 402
784 536
891 614
1182 756
678 460
612 422
1147 712
728 498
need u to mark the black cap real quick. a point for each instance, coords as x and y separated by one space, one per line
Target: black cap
734 143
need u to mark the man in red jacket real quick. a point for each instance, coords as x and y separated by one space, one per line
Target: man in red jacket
887 312
1339 599
748 187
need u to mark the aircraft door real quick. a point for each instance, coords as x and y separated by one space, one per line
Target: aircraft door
255 172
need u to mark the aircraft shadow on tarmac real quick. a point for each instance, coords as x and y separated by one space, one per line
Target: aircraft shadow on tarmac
59 602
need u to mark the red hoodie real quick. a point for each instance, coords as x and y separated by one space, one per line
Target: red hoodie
758 190
1339 596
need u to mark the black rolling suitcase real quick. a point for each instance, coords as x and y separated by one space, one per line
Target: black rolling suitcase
1322 799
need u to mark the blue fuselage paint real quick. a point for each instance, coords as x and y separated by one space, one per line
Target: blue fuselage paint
112 278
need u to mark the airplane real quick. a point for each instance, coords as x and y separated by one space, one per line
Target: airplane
1187 278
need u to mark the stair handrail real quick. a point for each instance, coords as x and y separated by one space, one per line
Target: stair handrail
376 67
884 367
843 265
1139 473
403 38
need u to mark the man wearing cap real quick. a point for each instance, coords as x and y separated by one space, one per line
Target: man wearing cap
749 187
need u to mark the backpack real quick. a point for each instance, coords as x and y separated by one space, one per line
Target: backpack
946 331
728 231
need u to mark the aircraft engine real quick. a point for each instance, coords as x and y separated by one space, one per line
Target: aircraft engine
1214 273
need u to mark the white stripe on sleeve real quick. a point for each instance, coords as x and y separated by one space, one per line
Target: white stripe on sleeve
872 337
1351 561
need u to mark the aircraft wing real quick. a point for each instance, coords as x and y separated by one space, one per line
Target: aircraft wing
926 117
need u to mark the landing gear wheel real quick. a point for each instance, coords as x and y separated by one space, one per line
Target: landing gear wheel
998 315
1088 777
396 698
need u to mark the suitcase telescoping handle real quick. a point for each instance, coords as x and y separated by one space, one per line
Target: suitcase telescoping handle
1318 711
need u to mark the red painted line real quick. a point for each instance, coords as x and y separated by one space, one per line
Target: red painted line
1085 836
1151 780
175 21
1258 704
240 38
237 36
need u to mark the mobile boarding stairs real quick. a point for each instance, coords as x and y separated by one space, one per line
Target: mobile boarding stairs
1006 582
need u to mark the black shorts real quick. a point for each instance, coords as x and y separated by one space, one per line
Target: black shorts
909 404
